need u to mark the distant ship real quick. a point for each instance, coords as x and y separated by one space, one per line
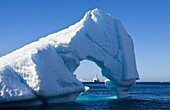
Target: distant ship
96 79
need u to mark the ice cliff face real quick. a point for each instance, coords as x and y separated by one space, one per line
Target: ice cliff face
43 70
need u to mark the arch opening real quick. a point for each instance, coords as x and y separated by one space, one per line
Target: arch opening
87 71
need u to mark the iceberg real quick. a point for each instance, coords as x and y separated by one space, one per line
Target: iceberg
42 72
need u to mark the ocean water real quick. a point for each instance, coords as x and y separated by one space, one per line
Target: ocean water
143 96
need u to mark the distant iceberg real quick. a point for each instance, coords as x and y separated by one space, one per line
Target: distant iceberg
42 72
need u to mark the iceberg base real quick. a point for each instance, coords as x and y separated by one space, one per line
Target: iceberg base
51 100
120 88
22 103
63 98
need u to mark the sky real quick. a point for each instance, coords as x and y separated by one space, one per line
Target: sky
147 22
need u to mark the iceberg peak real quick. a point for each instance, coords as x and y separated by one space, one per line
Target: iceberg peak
96 15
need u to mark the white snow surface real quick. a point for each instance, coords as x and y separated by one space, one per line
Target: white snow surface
45 68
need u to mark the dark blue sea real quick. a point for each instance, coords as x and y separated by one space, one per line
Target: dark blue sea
143 96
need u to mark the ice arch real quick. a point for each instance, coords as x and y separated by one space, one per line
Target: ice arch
42 72
119 86
87 70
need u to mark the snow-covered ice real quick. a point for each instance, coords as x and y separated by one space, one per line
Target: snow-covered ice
43 70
